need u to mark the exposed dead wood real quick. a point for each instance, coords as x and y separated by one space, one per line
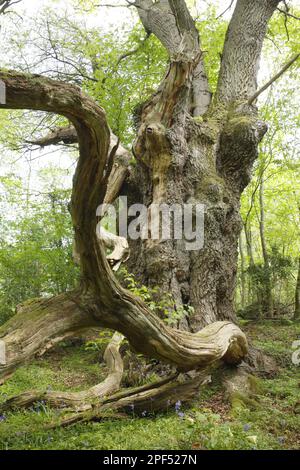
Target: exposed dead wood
118 245
142 401
172 24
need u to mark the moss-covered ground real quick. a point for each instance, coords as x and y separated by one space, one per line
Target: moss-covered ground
209 423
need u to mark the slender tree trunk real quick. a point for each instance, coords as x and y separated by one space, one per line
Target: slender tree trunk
250 257
249 245
268 294
243 267
297 295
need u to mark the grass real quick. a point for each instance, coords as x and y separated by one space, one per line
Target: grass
208 424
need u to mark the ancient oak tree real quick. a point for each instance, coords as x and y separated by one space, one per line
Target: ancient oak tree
190 147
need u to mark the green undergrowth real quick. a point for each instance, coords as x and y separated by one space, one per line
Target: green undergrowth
209 423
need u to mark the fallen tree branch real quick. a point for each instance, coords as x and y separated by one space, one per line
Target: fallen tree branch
141 401
273 79
78 401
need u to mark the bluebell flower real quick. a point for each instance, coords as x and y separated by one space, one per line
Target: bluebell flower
247 427
180 414
177 405
2 418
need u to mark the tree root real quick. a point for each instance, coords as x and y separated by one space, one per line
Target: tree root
102 401
242 389
78 401
141 401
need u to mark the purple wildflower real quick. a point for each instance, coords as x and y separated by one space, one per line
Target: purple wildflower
177 406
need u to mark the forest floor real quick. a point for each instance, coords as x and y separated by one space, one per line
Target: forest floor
209 423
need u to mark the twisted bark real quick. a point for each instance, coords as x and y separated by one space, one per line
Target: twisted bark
172 24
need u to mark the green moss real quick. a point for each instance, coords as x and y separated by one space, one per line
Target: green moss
239 400
255 384
198 119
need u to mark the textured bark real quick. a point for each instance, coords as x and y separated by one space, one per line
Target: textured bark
172 24
183 159
119 248
242 49
118 245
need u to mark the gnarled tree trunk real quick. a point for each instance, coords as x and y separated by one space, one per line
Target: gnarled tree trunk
100 295
188 149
